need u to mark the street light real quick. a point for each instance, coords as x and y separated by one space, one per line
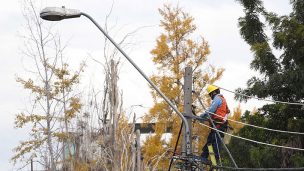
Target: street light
57 14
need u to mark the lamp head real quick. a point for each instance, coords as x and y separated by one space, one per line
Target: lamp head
57 13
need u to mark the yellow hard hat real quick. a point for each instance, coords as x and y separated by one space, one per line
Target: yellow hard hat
211 88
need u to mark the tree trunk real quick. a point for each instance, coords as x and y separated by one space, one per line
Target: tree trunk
114 114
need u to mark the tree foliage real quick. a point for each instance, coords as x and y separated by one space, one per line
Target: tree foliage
281 79
175 49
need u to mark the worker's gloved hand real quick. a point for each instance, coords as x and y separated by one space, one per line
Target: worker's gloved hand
204 116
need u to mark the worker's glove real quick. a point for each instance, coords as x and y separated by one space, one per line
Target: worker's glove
204 116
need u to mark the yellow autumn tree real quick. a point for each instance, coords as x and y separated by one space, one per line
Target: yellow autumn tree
53 101
237 114
175 49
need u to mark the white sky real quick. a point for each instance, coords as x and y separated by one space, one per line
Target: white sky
216 21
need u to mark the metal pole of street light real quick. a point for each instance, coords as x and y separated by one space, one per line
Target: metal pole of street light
188 140
56 14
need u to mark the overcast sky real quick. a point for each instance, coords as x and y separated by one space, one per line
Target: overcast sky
216 21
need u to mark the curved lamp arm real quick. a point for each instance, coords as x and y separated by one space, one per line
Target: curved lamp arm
57 14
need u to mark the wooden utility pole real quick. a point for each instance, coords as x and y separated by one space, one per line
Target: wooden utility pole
187 111
114 100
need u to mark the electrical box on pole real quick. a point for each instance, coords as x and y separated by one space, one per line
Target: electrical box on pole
187 110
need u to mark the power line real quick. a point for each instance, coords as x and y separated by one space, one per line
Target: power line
254 141
258 169
253 97
195 162
260 127
251 169
176 143
268 100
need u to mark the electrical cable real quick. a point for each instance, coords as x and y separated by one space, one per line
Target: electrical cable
258 169
179 133
247 124
254 141
245 168
263 99
218 150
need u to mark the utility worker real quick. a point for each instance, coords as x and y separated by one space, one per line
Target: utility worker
219 107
